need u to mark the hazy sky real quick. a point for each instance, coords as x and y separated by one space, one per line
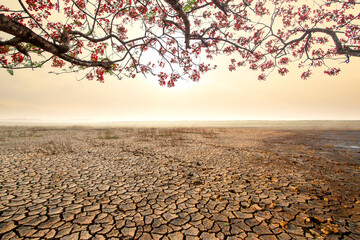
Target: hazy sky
220 95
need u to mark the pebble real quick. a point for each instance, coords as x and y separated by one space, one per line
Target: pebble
6 227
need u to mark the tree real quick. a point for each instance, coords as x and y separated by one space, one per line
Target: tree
172 39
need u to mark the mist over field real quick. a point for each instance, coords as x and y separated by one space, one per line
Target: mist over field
295 124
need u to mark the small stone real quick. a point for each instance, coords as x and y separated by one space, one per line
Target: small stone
192 231
85 235
196 216
194 238
16 203
128 232
8 235
315 232
51 234
235 230
220 218
68 216
268 237
242 215
25 220
272 206
107 220
176 236
66 225
101 216
74 236
94 228
163 229
113 233
7 197
220 235
208 236
242 225
252 222
262 229
104 187
85 220
18 217
179 221
40 233
216 228
53 211
287 216
128 207
156 236
294 230
63 232
58 224
169 216
284 224
36 221
106 228
93 207
25 231
39 200
6 226
145 236
283 236
99 237
50 222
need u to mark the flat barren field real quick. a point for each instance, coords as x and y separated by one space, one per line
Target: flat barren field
179 183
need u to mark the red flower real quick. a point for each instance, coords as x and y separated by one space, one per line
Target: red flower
306 75
17 58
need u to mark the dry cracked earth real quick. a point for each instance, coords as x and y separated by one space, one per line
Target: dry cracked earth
181 183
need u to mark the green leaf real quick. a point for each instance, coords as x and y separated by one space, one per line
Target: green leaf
10 71
150 14
187 8
188 5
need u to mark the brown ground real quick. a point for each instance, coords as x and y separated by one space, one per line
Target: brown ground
179 183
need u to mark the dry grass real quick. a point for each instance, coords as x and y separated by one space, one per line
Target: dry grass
175 133
21 132
172 136
52 148
208 133
108 134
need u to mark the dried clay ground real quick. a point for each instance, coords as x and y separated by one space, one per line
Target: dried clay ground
179 183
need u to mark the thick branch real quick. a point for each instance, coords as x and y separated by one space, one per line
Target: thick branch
222 6
178 8
16 43
24 34
340 49
175 24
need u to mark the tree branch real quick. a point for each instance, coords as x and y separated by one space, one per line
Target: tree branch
340 49
178 8
222 6
175 24
24 34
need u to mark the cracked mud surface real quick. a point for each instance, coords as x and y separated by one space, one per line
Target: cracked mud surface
184 183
